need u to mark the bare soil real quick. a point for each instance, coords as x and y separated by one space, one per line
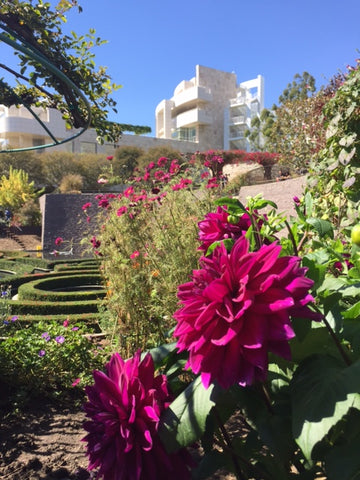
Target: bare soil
43 442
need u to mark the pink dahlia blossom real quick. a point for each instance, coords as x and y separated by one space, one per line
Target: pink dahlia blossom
237 308
215 227
124 408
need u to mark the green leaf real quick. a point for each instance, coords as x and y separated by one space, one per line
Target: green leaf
161 352
331 284
229 202
322 227
322 392
211 462
261 203
184 421
308 200
316 269
316 340
343 460
351 329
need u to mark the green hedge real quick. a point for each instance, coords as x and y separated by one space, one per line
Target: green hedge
16 280
70 268
43 288
24 307
91 319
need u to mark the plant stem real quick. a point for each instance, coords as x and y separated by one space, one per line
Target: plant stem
292 238
337 343
267 398
238 472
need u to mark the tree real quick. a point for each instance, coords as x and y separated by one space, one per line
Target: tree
300 88
125 161
58 70
258 134
295 128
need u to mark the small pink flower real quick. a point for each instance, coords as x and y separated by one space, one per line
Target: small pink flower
103 180
121 211
86 205
135 254
110 157
66 323
104 203
128 192
162 161
58 241
76 382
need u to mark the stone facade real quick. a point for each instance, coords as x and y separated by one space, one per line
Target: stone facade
211 109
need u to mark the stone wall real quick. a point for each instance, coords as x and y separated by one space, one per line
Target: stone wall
62 216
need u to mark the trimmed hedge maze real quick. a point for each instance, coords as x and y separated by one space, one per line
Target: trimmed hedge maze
55 290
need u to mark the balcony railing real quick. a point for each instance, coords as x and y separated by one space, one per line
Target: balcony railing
238 119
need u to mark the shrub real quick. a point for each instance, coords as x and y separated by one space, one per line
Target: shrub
147 246
29 214
47 358
71 183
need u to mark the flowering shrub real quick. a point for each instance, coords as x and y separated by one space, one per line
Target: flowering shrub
46 358
148 245
215 160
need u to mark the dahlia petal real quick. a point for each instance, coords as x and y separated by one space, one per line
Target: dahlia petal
273 300
206 379
282 349
226 338
151 414
216 291
299 286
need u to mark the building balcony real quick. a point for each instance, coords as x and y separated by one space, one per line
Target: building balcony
196 116
239 119
191 96
237 101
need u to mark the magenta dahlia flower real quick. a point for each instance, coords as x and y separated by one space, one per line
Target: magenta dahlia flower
215 227
124 408
237 308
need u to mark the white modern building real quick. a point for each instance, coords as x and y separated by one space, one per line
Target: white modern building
19 129
211 109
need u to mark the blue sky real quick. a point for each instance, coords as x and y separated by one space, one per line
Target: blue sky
154 45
